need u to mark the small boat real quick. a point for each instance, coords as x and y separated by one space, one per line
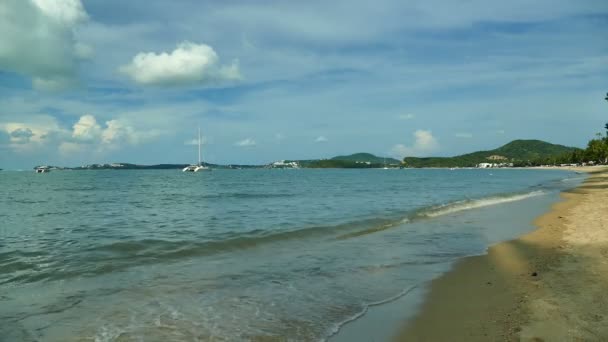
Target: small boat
198 167
43 169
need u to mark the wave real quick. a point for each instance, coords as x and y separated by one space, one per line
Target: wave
238 195
443 209
177 249
458 206
125 254
156 250
337 327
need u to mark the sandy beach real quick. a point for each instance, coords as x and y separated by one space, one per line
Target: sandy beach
548 285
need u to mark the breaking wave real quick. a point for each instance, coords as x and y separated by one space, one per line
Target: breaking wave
477 203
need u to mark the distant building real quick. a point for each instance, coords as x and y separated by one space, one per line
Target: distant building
496 157
285 164
493 165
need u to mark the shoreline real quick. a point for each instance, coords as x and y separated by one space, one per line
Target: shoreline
528 288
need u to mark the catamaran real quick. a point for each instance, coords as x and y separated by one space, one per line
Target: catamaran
198 167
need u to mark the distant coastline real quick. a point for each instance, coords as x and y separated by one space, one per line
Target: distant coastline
515 154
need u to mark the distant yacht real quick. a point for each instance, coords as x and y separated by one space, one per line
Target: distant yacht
43 169
385 167
198 167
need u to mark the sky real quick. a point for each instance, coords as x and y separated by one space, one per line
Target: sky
99 81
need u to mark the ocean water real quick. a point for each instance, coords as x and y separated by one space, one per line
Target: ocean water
230 255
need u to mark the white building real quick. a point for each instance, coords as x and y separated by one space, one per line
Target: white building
284 164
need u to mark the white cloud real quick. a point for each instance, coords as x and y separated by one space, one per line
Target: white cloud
463 135
279 136
66 12
406 116
38 40
424 143
85 135
321 139
245 143
189 63
87 129
118 132
500 131
23 136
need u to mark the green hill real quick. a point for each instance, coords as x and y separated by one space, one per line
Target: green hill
514 152
367 158
353 161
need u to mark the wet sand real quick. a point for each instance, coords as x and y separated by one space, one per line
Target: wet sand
548 285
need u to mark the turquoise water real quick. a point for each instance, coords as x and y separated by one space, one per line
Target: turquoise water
240 254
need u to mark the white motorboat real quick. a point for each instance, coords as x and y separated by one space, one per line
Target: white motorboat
43 169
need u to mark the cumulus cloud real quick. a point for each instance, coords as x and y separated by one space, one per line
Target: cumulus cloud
114 134
463 135
87 129
38 40
66 12
21 135
85 135
424 143
320 139
119 132
189 63
245 143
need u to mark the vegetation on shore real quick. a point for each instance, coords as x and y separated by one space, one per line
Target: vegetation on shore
595 153
515 152
353 161
522 153
368 158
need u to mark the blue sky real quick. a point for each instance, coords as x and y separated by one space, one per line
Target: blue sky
105 80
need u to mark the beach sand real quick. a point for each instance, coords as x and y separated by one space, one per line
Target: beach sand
548 285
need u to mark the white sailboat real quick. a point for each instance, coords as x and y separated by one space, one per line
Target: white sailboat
198 167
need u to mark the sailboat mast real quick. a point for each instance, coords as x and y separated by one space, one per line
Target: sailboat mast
199 145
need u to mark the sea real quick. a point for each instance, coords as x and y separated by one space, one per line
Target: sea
242 255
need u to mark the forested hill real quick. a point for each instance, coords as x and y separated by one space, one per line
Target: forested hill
367 157
513 152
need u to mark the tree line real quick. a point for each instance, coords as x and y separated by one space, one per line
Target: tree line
596 152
